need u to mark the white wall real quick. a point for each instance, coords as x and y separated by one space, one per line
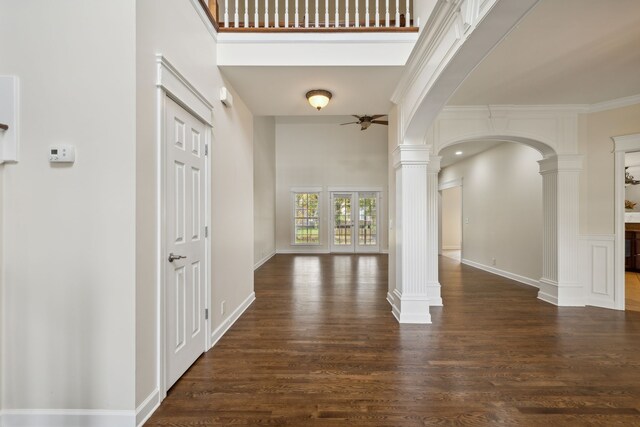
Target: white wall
326 155
451 218
175 30
69 231
502 200
264 185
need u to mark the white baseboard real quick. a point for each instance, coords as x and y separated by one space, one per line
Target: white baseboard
507 274
229 321
323 251
263 260
148 407
302 251
67 418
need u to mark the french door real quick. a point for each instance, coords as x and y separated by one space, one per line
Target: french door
354 221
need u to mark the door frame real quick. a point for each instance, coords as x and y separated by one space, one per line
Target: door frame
354 189
458 182
171 83
622 145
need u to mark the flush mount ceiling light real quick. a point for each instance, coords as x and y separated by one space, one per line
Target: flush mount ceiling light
318 98
458 153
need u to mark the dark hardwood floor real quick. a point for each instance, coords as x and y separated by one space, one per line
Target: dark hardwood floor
320 347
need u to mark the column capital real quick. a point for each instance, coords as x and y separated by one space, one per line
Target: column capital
561 163
410 155
434 164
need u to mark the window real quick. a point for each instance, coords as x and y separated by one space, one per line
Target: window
306 218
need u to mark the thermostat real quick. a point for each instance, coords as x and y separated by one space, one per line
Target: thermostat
62 154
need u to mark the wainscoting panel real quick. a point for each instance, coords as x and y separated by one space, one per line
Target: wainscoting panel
597 269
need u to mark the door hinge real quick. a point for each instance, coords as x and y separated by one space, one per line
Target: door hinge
206 314
206 149
206 231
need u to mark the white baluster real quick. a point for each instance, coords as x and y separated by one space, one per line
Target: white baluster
346 13
246 14
266 14
276 15
306 13
256 17
317 14
357 17
296 16
326 13
286 13
236 18
386 16
226 13
397 13
377 13
407 15
366 13
337 23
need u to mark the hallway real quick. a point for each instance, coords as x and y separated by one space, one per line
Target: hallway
319 346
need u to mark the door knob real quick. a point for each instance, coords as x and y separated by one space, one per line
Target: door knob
173 257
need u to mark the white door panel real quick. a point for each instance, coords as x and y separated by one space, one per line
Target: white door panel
185 275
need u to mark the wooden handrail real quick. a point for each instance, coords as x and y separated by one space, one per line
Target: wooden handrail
319 30
211 8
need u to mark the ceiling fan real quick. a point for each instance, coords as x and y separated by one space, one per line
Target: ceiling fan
366 121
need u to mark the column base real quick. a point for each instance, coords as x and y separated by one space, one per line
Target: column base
410 308
561 294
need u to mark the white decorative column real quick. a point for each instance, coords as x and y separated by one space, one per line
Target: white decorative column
410 299
560 284
433 283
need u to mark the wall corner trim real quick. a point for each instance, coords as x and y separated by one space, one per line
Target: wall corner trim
67 418
507 274
262 261
229 321
147 407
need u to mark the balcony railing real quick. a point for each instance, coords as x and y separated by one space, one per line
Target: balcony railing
311 15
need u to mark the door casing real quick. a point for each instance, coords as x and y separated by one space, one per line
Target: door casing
171 83
355 212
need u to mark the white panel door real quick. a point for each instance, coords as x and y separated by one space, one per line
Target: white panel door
185 240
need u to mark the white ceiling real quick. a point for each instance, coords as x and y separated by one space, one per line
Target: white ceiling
563 52
469 149
280 91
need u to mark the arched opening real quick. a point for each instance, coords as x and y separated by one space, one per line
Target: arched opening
509 222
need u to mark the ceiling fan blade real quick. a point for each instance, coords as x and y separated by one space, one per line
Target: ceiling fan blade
350 123
357 117
377 116
381 122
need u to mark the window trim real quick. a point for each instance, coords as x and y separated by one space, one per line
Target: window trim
307 190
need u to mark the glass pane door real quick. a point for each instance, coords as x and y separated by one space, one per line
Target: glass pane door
342 207
368 219
368 222
355 218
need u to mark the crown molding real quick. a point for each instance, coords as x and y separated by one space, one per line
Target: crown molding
615 103
556 108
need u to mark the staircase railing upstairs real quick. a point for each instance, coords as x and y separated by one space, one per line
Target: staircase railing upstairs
311 15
